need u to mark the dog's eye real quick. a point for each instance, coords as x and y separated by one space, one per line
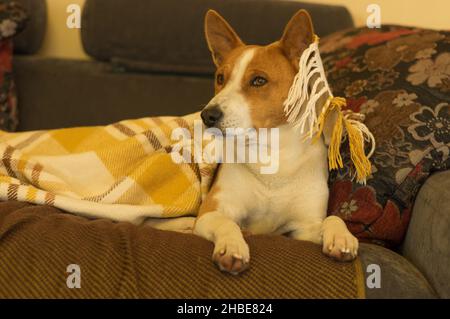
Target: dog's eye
258 81
219 79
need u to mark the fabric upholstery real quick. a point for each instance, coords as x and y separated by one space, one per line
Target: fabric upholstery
8 102
54 93
427 243
399 279
62 93
168 36
30 40
399 78
12 21
120 260
13 18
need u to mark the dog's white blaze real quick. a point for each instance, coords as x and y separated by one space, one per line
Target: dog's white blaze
238 71
233 103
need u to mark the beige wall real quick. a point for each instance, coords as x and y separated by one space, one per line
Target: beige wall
422 13
60 41
63 42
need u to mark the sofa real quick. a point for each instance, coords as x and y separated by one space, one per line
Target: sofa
149 58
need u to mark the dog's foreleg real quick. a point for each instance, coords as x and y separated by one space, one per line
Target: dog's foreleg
231 252
338 241
309 231
217 221
311 224
178 224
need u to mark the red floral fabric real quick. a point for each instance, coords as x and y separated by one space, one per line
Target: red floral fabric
400 79
12 20
8 104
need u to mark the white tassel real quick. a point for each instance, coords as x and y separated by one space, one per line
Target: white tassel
310 85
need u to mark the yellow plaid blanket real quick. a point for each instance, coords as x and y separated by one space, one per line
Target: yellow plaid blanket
122 171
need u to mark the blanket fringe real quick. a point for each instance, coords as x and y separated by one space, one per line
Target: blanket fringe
309 86
357 134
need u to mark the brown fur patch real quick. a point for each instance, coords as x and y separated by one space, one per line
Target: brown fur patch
266 102
209 204
226 68
220 36
277 63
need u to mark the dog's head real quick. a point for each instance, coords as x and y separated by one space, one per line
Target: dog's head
252 82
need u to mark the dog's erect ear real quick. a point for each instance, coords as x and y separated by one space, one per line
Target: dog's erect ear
220 36
297 36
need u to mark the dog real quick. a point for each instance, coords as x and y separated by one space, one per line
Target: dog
251 84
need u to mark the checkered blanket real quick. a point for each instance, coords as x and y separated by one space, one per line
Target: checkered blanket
122 171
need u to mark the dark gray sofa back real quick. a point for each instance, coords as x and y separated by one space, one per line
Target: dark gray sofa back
29 41
168 36
162 37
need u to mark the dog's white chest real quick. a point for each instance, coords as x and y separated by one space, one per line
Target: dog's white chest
272 206
268 203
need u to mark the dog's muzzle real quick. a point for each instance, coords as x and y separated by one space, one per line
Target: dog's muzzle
211 115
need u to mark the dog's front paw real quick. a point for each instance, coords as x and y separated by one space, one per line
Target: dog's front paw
232 255
340 245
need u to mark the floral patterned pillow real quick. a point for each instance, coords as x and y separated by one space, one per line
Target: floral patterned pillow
399 78
12 19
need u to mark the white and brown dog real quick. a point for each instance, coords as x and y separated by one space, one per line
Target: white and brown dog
252 83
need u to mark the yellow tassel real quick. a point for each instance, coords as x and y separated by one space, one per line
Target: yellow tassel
357 152
334 154
322 118
355 138
331 104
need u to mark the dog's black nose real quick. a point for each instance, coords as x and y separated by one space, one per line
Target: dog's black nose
211 115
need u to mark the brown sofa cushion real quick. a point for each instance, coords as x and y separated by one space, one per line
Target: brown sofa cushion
399 77
427 243
155 35
119 260
49 93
